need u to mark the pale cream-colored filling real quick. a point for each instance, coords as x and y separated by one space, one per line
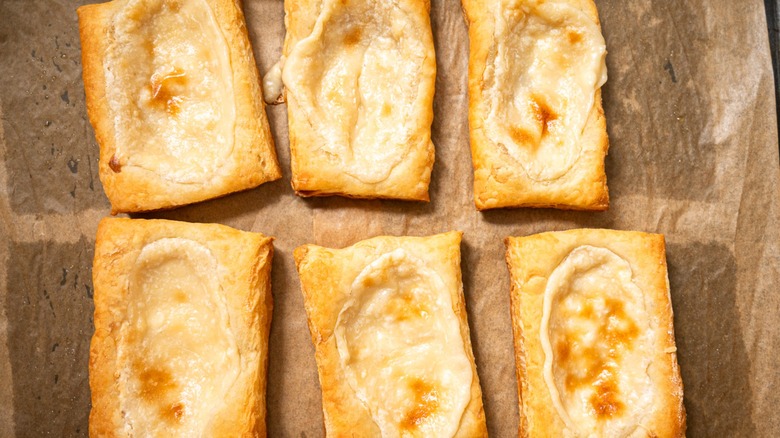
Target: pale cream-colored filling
540 81
597 340
400 346
169 87
356 79
177 356
272 83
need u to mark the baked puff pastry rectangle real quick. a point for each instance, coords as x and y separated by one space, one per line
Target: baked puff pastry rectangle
182 313
175 99
594 337
388 322
359 78
538 132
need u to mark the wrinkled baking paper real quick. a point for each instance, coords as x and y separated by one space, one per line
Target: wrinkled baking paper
694 155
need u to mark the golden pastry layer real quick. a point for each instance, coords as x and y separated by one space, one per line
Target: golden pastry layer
389 325
594 336
359 77
182 314
175 99
538 133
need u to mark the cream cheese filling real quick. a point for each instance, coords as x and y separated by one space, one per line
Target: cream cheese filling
540 81
272 83
177 356
597 340
400 346
358 79
169 86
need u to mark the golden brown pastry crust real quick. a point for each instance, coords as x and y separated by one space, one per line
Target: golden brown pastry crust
245 280
498 181
253 158
314 172
326 276
531 260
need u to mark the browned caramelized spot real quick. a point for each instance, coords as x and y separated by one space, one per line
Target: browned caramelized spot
180 296
523 137
617 330
353 36
387 109
167 89
148 47
176 412
562 351
406 307
620 328
114 164
543 114
561 59
158 388
369 281
173 5
156 382
426 402
574 36
606 400
587 311
372 280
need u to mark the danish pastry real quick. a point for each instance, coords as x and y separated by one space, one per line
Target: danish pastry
358 78
594 337
175 99
182 313
388 322
537 127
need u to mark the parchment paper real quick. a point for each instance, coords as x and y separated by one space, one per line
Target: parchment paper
694 155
